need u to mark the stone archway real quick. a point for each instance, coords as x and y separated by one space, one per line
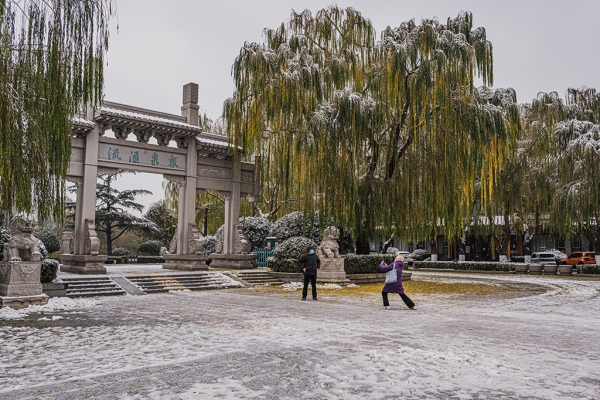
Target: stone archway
201 161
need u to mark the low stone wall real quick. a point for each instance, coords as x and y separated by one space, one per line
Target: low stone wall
374 278
55 289
354 278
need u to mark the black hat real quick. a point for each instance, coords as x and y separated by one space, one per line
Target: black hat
310 247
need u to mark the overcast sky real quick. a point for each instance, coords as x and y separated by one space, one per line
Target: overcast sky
162 45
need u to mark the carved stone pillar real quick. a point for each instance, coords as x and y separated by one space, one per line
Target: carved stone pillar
88 263
85 258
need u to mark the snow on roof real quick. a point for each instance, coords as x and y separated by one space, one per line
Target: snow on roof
213 142
82 121
149 118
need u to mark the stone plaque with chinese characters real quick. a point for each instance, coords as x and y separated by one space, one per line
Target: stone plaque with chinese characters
124 154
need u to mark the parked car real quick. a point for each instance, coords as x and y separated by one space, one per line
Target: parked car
408 259
580 258
543 258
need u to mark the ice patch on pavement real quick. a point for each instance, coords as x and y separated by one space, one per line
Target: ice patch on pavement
54 304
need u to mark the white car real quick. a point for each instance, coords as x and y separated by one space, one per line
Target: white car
407 257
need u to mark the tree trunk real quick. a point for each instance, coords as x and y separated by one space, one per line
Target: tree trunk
362 245
109 240
341 240
387 244
433 243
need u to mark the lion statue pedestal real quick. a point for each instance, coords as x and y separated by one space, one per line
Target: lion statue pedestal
194 260
242 256
20 285
332 265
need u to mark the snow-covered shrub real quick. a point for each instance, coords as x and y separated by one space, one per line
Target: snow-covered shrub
392 250
420 254
588 269
558 255
49 270
256 230
4 238
120 251
365 263
208 244
49 239
285 256
43 250
294 224
150 247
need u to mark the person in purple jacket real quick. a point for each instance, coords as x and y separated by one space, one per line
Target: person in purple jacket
395 287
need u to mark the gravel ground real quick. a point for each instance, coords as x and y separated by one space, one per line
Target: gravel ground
521 342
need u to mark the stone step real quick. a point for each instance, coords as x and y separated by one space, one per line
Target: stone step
258 278
92 287
96 294
167 283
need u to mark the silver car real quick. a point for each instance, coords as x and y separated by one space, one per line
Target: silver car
543 258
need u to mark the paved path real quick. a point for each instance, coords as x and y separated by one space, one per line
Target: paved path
253 343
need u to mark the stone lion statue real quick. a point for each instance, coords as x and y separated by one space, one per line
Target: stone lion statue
22 246
329 247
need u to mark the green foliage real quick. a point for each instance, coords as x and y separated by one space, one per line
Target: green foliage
365 263
151 247
120 251
208 244
588 269
49 270
466 265
52 66
164 219
112 216
256 230
4 238
359 129
285 257
49 239
296 224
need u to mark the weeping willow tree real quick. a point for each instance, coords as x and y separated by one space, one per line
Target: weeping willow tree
51 64
570 145
386 136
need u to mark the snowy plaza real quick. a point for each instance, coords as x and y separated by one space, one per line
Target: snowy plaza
473 336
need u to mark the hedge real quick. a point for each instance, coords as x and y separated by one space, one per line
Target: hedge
48 270
365 263
465 265
588 269
150 247
353 263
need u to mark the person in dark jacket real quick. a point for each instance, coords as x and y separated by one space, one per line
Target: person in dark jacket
395 287
309 263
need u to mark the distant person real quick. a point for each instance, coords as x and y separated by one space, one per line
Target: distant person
395 287
309 263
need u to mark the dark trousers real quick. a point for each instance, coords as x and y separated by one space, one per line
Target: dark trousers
404 297
313 282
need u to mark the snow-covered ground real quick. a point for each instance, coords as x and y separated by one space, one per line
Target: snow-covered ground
256 343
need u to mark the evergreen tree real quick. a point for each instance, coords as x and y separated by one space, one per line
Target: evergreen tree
112 216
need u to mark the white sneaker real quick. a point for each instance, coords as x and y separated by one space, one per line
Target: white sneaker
386 307
412 308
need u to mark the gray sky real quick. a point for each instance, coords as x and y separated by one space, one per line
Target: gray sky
162 45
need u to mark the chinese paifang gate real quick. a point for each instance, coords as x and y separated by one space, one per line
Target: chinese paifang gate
201 161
